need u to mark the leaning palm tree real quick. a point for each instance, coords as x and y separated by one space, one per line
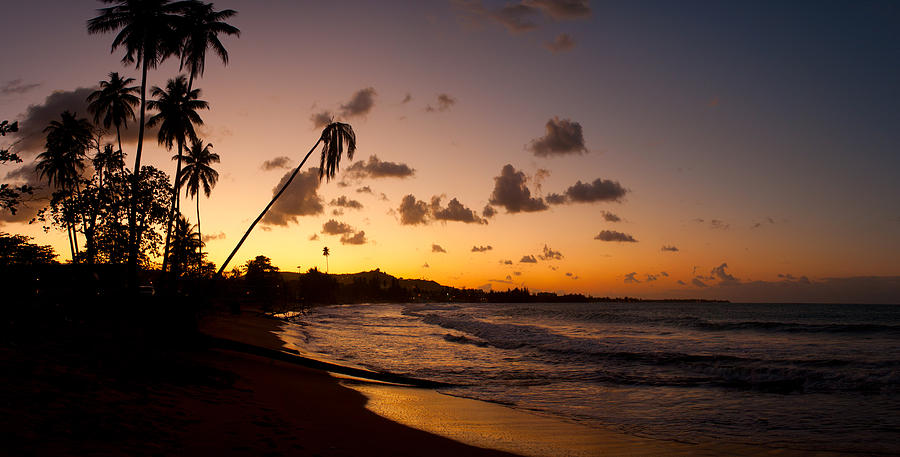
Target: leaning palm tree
200 31
114 102
147 31
198 174
177 115
333 138
326 253
68 140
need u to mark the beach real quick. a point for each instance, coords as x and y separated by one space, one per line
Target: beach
65 399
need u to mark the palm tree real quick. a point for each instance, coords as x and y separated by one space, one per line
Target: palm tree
333 138
147 31
201 28
62 163
108 160
198 173
186 244
326 253
177 115
114 102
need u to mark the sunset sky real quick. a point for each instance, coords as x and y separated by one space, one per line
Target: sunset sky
737 150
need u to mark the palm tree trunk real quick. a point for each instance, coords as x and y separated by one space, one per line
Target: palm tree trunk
200 236
88 235
71 243
132 210
264 211
119 137
175 208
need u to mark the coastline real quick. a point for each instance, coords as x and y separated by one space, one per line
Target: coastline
469 422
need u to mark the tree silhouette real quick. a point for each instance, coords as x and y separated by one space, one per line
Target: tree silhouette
62 163
114 102
177 115
326 253
147 31
198 174
200 31
10 196
333 138
108 160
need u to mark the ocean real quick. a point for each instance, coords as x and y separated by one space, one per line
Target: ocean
800 376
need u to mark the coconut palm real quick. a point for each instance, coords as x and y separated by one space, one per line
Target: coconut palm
177 115
186 244
63 161
147 31
326 253
200 31
114 102
108 160
333 139
198 174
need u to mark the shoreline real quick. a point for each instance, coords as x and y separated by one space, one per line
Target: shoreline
488 425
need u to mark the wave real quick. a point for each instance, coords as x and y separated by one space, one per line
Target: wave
623 362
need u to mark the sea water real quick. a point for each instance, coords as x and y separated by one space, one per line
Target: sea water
824 377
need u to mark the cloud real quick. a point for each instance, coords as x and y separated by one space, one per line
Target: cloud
527 259
455 211
444 102
517 273
664 274
506 262
610 217
31 138
550 254
360 104
719 225
722 275
697 282
488 212
408 98
612 235
300 199
667 248
482 248
337 212
345 202
214 236
333 227
357 238
376 168
276 163
601 190
759 224
801 289
364 190
17 87
630 278
412 211
437 248
681 283
563 137
651 277
562 9
321 119
511 192
520 16
562 43
314 237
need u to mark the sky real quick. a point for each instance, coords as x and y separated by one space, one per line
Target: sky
736 150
